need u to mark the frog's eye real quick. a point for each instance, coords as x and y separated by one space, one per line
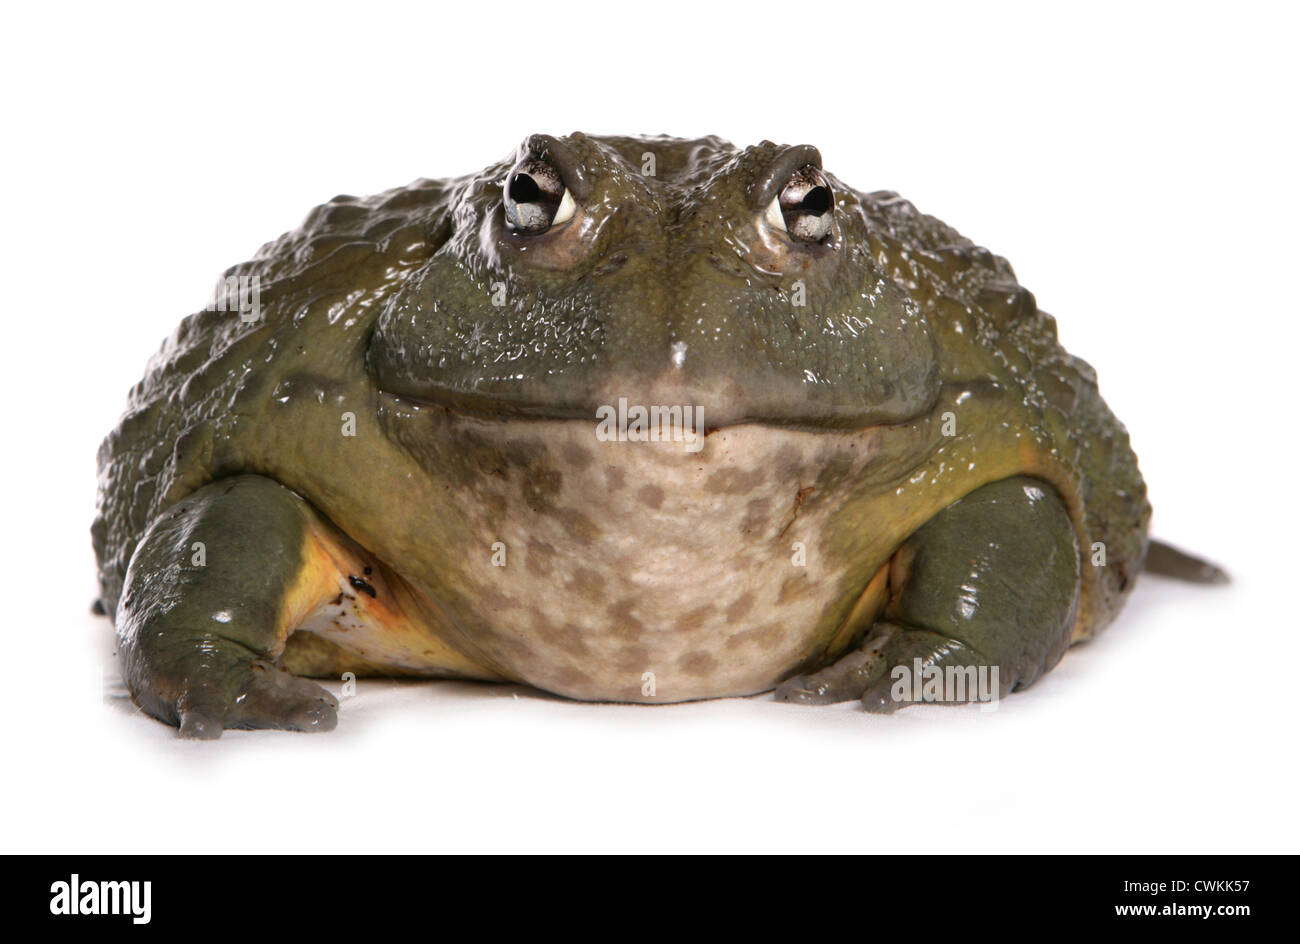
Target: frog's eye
804 206
536 199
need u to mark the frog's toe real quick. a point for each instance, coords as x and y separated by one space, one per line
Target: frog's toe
846 678
806 690
200 724
276 699
879 699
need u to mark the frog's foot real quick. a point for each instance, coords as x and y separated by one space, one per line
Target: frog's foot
983 601
928 667
847 677
249 694
215 587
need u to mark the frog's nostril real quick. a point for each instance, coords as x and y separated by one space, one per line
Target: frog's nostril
723 266
612 264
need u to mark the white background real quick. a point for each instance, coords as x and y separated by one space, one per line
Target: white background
1137 165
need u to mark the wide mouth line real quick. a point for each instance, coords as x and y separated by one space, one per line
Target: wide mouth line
506 411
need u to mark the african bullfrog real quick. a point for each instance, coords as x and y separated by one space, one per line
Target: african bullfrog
623 419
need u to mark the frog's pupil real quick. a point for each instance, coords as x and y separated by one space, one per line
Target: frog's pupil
817 201
523 189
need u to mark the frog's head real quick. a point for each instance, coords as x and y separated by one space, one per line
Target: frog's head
583 270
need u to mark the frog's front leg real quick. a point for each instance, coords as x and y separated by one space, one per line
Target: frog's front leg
992 580
215 586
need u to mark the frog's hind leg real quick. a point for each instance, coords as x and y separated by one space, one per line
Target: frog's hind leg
991 582
215 587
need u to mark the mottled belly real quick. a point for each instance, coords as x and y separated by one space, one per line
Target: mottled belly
642 571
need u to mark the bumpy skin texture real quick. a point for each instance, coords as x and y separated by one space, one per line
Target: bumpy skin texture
852 390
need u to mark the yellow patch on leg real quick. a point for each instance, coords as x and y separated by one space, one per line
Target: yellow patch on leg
356 615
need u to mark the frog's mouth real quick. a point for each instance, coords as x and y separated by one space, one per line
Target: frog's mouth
711 400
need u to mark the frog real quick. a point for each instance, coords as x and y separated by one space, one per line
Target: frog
634 419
